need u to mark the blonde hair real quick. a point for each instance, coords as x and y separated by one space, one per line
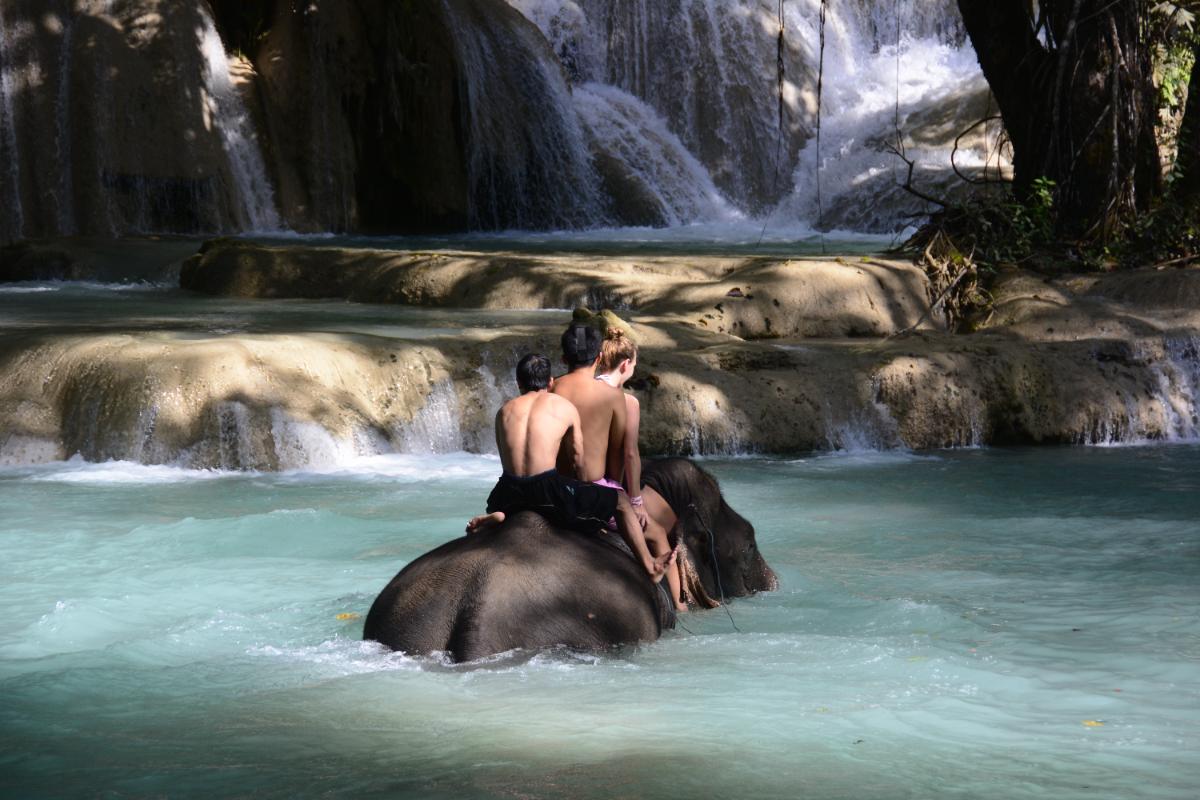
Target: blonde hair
616 347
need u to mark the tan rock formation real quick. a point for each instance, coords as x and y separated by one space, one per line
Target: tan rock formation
753 297
1069 360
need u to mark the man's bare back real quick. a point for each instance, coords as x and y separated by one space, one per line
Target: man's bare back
602 410
532 431
533 428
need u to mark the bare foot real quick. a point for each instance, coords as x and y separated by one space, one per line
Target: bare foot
485 521
681 606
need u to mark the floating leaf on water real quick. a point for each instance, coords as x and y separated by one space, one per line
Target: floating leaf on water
347 615
1093 723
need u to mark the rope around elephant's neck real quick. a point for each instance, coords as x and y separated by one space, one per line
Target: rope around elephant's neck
712 547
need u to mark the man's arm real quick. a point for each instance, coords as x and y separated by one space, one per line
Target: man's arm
502 443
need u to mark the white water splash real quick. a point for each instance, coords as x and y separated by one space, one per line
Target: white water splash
436 428
892 75
651 156
1166 408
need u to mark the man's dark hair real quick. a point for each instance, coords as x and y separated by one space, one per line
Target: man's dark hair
533 373
580 345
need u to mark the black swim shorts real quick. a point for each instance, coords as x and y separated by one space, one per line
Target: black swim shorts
566 502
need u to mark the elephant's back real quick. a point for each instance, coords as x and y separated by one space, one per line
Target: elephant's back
524 584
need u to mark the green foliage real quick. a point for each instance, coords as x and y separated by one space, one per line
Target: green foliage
1173 68
1168 234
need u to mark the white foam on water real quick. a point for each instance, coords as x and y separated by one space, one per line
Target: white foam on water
409 468
842 459
33 287
340 657
77 470
26 289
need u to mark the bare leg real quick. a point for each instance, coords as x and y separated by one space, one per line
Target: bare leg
631 531
658 508
659 543
485 521
663 516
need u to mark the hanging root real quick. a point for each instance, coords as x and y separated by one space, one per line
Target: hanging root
955 289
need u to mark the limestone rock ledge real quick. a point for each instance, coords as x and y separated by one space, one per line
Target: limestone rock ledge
1075 359
752 297
291 401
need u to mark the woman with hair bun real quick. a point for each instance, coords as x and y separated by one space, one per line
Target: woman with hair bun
615 366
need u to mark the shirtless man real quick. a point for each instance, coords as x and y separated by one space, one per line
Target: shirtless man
602 411
531 432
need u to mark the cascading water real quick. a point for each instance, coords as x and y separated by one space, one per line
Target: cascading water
521 175
232 121
1179 388
897 79
62 130
12 222
670 181
709 69
120 117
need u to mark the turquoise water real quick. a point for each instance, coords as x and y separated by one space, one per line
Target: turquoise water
76 307
975 624
736 238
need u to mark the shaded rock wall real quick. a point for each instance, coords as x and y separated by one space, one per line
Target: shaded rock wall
121 116
108 121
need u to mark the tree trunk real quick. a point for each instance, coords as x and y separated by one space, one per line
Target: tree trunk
1186 186
1074 88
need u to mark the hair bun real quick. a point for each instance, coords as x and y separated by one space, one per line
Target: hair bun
614 333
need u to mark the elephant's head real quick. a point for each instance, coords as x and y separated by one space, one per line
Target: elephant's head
723 557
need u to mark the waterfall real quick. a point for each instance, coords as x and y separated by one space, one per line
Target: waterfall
708 70
116 120
1179 387
913 80
669 178
62 131
233 123
600 112
436 427
12 221
521 175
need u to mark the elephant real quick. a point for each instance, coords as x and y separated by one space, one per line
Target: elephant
526 584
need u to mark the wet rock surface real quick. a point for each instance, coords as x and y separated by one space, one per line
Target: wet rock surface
1065 360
